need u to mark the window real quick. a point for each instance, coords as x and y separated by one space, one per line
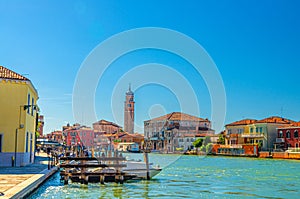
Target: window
27 138
280 134
296 135
229 131
1 137
32 103
256 129
260 129
251 130
288 134
28 103
129 105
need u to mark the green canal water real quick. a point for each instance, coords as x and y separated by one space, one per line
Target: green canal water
194 177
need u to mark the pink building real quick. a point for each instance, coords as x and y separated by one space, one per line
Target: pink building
79 135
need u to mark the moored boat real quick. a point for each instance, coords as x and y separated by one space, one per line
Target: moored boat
140 169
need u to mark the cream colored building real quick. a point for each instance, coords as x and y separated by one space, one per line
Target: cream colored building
175 130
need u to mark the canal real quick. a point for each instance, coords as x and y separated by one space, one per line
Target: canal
194 177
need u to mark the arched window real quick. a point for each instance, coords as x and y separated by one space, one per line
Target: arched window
288 134
280 134
296 134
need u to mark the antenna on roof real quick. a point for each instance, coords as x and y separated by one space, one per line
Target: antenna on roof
281 112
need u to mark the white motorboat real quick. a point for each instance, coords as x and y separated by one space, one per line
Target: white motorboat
140 170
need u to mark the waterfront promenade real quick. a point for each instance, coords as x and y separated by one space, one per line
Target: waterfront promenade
19 182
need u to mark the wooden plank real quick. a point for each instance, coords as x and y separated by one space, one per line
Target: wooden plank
91 165
95 158
95 174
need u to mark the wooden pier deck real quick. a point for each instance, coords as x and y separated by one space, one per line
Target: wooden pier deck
106 169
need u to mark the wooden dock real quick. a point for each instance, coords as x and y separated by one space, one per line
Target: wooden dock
106 169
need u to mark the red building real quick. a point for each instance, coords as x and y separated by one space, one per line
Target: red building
40 127
79 135
288 137
56 136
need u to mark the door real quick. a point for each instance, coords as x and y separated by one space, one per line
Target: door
30 155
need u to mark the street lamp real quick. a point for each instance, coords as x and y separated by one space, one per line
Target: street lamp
21 126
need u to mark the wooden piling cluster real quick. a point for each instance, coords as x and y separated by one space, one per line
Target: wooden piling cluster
107 168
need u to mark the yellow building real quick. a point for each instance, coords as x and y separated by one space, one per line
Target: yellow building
235 130
18 115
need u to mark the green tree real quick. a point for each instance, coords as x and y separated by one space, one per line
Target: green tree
198 143
203 148
209 148
221 139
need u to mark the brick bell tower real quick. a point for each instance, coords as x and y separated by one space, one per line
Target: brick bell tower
129 112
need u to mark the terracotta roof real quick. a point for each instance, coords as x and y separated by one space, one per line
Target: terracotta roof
292 125
296 124
178 116
242 122
276 119
204 134
5 73
105 122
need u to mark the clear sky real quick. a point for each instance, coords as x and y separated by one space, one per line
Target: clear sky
254 44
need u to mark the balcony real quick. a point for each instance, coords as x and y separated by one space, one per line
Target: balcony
279 140
254 135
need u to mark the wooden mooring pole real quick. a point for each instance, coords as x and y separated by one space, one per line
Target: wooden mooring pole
147 165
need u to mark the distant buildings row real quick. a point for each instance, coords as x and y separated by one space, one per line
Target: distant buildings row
20 124
272 133
104 135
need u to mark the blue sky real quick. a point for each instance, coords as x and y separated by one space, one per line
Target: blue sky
254 44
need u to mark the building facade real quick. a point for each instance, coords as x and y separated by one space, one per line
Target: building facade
288 137
175 131
18 117
250 131
106 126
79 136
40 126
129 112
56 136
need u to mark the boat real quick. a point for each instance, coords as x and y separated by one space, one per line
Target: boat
139 169
133 148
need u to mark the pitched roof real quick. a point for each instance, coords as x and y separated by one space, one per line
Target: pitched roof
292 125
242 122
178 116
105 122
5 73
276 119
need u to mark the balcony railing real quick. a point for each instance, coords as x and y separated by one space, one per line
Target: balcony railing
254 135
279 140
239 146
